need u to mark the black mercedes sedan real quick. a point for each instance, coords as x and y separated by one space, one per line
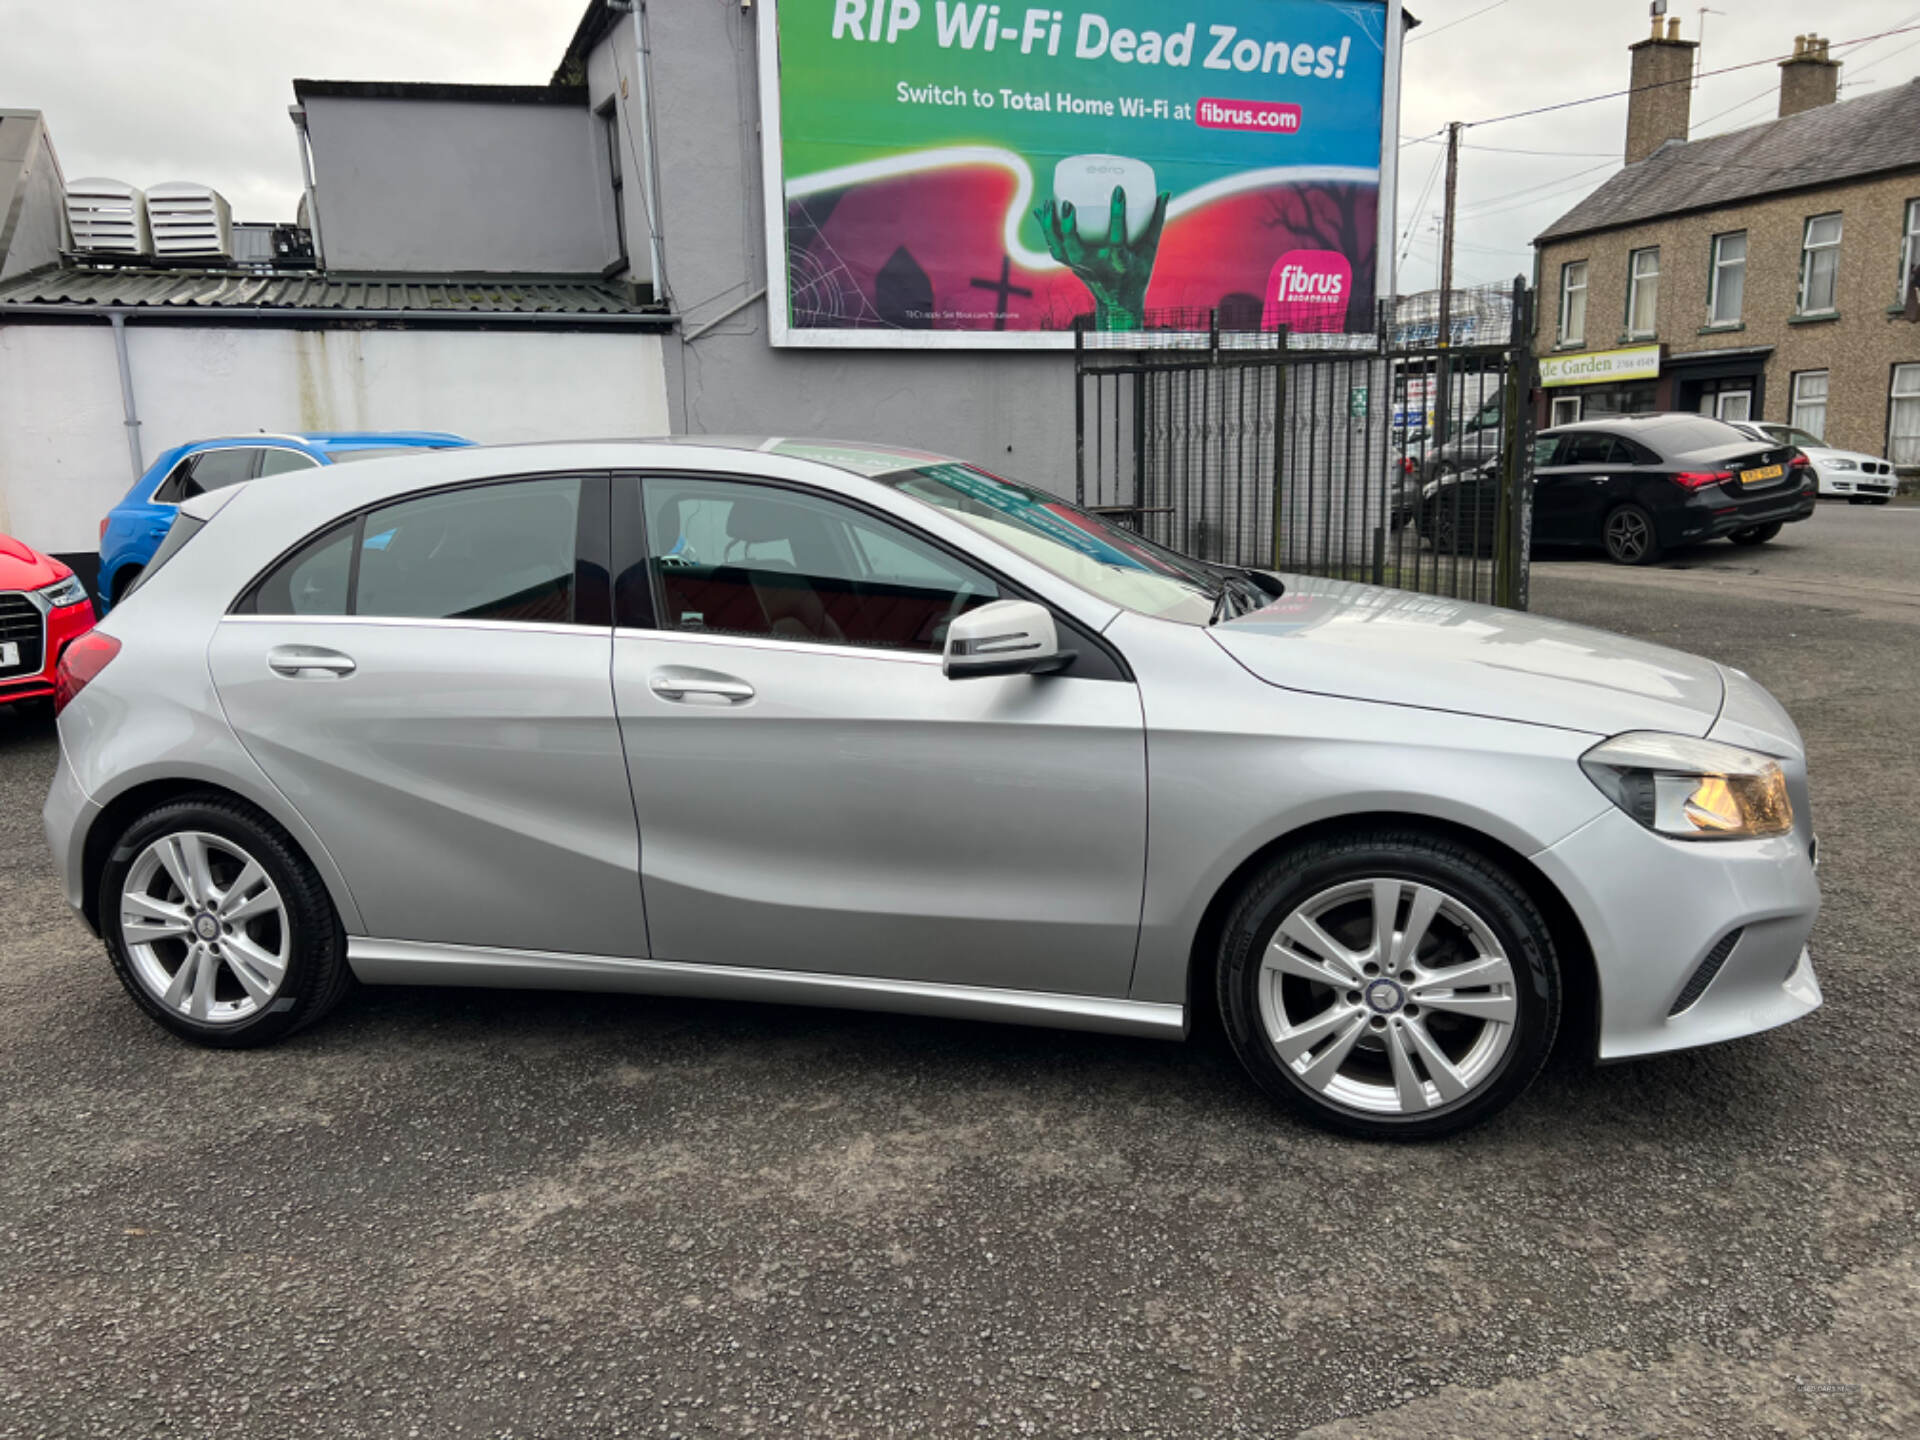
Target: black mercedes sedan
1636 486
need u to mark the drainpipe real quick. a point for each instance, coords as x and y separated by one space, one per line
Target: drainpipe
298 114
643 93
119 323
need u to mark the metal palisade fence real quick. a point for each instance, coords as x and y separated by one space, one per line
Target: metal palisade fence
1381 456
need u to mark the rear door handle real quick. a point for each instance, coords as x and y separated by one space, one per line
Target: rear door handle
676 683
309 661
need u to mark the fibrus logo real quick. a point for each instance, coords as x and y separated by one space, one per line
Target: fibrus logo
1309 289
1248 115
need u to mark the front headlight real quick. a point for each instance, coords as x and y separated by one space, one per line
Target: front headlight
1691 789
1842 465
64 592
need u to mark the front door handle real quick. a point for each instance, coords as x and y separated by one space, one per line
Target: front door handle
309 661
677 683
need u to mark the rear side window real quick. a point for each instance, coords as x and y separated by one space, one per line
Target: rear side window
276 461
313 580
1589 449
486 552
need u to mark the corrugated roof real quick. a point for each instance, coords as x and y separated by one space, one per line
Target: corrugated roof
1846 141
235 290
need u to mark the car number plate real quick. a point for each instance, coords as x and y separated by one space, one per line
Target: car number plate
1765 472
9 655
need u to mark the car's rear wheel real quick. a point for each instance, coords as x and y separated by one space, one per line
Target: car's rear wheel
1756 534
218 927
1630 537
1389 984
123 579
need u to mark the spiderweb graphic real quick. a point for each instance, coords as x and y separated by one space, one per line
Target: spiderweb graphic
825 293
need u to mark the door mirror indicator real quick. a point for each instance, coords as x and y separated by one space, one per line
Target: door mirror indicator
1008 637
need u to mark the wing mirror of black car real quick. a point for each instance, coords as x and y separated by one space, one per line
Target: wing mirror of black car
1008 637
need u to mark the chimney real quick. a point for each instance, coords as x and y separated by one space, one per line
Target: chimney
1809 80
1660 107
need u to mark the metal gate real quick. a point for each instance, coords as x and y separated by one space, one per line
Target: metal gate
1321 454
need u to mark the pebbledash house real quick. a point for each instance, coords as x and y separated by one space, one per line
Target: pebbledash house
1768 273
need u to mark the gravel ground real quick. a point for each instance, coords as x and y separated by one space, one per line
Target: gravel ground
488 1214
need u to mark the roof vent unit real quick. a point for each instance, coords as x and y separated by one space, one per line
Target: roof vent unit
189 222
108 218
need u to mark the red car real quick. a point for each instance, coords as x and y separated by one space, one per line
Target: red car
43 608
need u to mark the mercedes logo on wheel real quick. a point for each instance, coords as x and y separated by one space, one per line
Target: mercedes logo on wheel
1384 997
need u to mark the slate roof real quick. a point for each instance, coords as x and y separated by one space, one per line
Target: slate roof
1845 141
262 293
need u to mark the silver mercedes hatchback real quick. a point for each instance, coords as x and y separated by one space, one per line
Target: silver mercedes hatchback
842 725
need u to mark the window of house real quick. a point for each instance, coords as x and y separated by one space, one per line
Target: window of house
1643 291
1810 403
1909 251
610 131
1820 266
1566 409
1728 284
742 559
1573 303
1903 420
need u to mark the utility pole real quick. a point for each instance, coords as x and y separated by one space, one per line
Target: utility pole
1443 381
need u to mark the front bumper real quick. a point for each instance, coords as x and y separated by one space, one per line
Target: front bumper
59 627
1654 910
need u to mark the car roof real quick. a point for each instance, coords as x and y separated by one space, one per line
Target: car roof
1656 420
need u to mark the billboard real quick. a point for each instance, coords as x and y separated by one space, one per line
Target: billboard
949 173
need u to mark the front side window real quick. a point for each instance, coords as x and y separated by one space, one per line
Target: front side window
1820 266
485 552
1909 253
1573 303
1903 420
209 470
1545 445
1728 283
1117 565
732 558
1810 404
1643 291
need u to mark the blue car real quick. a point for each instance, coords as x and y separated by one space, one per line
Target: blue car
135 527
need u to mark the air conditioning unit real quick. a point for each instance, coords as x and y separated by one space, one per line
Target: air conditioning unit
108 217
189 222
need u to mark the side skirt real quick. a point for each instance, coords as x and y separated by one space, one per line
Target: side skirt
413 962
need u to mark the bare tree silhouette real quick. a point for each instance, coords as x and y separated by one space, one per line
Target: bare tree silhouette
1333 217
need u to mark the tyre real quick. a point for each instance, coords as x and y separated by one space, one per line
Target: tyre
1630 537
218 926
123 579
1859 500
1389 984
1881 500
1756 534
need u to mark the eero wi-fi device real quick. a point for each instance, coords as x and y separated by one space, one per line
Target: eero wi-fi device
1086 182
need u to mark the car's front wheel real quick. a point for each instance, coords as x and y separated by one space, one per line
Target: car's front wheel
218 927
1389 984
1756 534
1630 537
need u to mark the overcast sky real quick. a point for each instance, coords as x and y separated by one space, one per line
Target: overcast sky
145 91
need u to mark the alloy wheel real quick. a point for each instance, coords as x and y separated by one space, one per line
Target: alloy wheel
205 927
1627 535
1388 996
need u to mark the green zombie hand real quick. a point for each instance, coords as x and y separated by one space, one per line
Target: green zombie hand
1114 269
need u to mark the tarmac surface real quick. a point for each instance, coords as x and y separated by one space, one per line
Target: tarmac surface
449 1213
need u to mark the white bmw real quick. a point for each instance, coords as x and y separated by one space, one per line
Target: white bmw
1862 479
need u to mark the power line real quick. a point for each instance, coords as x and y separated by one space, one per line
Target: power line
1425 34
1662 84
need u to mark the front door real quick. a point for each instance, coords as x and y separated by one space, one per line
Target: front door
428 684
815 795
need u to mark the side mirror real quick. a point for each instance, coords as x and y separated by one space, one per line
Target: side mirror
1008 637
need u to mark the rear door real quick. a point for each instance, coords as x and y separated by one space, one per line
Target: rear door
428 684
815 795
